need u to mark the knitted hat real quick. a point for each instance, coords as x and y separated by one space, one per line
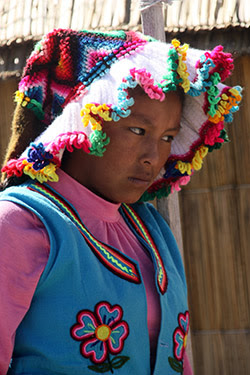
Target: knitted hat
73 81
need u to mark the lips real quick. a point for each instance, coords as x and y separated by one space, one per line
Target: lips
140 180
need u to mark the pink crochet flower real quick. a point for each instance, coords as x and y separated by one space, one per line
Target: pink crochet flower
147 83
175 186
70 140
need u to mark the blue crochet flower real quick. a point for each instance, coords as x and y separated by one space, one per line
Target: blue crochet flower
38 156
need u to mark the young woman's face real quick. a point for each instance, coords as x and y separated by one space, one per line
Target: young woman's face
139 147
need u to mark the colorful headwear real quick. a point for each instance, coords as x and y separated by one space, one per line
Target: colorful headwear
73 81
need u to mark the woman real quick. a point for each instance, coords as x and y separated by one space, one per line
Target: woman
92 278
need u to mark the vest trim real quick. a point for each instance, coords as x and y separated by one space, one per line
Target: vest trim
143 232
109 256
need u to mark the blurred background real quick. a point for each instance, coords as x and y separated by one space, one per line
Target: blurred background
215 206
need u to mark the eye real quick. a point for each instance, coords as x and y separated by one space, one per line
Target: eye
138 131
168 138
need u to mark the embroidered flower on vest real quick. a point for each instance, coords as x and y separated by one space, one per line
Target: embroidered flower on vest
180 342
102 333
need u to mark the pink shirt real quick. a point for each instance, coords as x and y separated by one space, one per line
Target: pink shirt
20 268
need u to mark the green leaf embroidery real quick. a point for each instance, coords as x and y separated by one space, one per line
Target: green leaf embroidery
101 368
176 365
119 361
115 363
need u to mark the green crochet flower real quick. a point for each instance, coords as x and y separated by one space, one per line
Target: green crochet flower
98 142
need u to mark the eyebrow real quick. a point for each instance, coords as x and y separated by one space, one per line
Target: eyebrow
176 128
145 120
142 118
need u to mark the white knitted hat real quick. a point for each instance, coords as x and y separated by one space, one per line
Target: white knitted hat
74 81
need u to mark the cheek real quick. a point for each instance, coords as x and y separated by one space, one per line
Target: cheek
113 163
121 152
164 154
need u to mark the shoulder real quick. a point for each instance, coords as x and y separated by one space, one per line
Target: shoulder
43 210
25 247
21 226
155 223
16 215
150 215
21 193
29 197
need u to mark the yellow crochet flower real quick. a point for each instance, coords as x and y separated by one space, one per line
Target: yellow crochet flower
198 157
94 114
176 43
184 167
20 98
48 173
196 161
182 67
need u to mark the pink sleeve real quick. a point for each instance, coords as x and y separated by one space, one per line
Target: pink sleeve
187 367
23 256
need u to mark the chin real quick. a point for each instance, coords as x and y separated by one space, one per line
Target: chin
128 197
132 200
126 200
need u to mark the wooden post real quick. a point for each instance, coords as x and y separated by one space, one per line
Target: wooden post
153 25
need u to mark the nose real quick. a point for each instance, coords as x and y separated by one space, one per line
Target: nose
152 154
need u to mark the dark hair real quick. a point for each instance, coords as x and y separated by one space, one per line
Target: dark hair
180 92
25 128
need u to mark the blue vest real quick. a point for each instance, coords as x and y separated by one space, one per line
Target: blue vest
89 311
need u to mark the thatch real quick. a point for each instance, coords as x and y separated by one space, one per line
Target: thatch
215 209
33 18
22 23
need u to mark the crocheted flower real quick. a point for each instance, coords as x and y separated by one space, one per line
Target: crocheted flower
63 67
13 167
101 332
38 156
98 141
48 173
180 335
95 114
21 98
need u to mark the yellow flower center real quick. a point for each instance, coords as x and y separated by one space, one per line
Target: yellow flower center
103 332
185 341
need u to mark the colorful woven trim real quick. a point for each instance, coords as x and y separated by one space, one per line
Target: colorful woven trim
142 230
109 256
